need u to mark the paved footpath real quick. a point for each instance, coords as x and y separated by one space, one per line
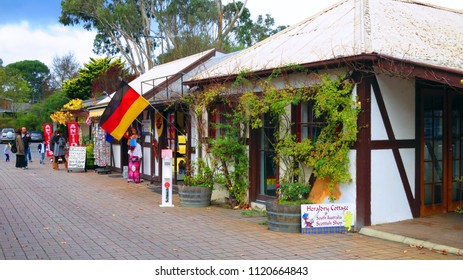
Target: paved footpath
48 214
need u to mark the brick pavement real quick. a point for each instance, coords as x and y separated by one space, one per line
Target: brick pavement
47 214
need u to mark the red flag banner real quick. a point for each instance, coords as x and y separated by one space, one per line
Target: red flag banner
47 135
122 110
73 134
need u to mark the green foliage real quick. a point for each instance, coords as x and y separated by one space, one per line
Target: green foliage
293 192
248 33
174 28
254 213
201 175
229 149
35 73
13 86
81 87
29 120
327 156
227 152
54 103
90 156
330 154
8 121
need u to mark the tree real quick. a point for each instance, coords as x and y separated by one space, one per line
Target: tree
35 73
138 29
13 87
84 87
40 113
63 68
123 27
248 33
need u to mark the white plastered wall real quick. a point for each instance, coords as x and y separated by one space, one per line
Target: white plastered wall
348 190
146 161
117 155
388 199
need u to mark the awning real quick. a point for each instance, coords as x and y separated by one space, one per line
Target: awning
96 113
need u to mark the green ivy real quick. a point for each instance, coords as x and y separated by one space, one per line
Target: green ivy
328 156
201 175
229 149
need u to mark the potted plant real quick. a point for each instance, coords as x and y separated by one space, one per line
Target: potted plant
198 183
223 157
284 213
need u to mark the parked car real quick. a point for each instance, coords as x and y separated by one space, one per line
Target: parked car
36 136
7 134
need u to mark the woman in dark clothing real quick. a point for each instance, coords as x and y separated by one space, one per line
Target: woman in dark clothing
21 153
58 145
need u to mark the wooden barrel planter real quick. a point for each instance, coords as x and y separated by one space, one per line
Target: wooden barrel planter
283 218
191 196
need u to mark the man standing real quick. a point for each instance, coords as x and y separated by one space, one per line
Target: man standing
26 139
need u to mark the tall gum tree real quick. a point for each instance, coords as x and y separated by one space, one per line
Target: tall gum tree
140 29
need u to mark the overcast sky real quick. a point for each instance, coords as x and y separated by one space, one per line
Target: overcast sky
29 29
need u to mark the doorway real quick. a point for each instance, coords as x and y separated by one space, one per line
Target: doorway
441 152
268 167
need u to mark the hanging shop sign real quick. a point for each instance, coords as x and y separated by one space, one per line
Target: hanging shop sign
159 122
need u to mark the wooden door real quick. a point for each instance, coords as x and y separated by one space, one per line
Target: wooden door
441 151
434 156
455 176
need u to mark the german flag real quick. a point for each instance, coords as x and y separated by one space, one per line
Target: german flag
122 110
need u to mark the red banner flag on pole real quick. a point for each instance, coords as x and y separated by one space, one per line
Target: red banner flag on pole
73 134
47 135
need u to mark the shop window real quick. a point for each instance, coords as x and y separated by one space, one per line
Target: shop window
308 125
218 120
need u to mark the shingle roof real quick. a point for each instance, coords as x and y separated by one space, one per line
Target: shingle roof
406 30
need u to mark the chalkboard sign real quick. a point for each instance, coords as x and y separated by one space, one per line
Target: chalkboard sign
76 159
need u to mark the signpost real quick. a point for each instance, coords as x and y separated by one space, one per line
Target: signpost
76 159
166 155
327 218
47 135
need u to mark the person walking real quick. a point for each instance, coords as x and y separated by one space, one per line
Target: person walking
21 151
42 149
58 144
6 150
135 156
27 140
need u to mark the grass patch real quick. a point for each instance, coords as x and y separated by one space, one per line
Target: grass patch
254 213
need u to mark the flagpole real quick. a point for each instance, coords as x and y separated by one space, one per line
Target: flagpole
151 105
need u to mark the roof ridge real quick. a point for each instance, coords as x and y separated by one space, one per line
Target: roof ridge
365 26
422 3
